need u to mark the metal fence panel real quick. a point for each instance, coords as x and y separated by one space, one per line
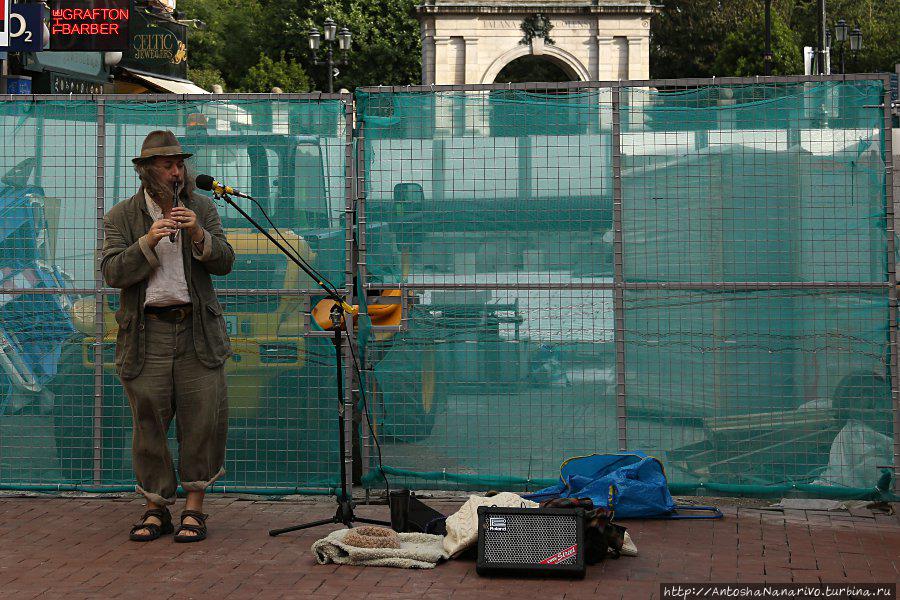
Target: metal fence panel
64 418
696 269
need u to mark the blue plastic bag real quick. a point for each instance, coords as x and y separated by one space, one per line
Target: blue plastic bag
631 484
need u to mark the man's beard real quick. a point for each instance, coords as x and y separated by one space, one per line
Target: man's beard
160 191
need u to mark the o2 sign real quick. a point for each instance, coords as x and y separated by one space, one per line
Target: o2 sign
4 23
26 28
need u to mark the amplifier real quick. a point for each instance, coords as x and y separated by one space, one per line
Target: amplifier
542 541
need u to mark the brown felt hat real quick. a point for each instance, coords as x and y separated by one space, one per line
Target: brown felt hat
161 143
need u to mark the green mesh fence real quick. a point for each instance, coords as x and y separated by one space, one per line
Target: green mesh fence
64 419
701 272
738 327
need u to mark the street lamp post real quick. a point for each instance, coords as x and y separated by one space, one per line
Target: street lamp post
331 34
767 54
820 37
855 43
841 33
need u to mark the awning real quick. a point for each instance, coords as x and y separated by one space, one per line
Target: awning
168 85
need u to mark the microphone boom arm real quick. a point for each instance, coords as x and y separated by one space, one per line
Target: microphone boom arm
349 309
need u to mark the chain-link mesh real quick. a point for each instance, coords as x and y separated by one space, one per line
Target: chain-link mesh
64 416
698 270
701 272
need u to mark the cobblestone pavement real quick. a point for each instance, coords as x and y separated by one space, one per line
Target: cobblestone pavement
78 548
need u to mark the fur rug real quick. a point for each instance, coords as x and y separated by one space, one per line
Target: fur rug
416 551
372 537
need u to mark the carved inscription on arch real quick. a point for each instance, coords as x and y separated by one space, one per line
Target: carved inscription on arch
507 24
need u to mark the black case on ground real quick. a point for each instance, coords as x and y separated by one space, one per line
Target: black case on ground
538 541
411 515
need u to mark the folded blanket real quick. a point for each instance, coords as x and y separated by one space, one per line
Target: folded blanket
628 548
462 526
416 551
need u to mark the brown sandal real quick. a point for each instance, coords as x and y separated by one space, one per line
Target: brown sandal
155 530
198 530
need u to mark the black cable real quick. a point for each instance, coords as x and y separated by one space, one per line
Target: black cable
332 289
296 254
292 253
365 402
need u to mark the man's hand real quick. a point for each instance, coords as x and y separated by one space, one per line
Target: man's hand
185 218
159 230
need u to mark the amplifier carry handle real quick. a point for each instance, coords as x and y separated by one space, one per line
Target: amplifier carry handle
716 513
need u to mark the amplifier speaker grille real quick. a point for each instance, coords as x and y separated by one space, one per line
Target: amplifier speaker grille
538 540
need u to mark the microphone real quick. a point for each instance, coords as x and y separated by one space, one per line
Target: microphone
205 182
174 204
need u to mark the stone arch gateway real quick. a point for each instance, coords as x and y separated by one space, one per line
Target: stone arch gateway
470 43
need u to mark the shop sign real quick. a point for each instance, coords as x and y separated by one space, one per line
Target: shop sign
87 64
62 84
78 25
18 84
158 47
26 31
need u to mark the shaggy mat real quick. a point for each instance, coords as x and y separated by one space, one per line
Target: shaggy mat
416 551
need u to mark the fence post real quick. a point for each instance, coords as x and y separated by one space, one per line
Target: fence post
98 295
618 270
892 276
352 171
350 269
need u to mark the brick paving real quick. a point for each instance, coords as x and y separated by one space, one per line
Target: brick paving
77 548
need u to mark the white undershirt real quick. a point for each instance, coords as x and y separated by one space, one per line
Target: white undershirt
167 285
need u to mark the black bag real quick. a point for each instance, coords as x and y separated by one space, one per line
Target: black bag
602 537
411 515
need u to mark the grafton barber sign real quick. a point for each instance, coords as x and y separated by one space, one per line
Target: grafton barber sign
78 25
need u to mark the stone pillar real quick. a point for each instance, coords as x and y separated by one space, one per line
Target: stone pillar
605 68
456 60
475 117
472 66
427 59
443 72
442 67
605 72
427 36
638 57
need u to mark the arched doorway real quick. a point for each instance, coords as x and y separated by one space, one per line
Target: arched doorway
534 68
466 43
536 112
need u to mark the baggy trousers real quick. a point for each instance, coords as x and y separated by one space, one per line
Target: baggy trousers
174 383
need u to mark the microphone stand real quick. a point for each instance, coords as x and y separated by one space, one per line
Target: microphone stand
344 514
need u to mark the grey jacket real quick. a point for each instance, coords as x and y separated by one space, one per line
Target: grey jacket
128 261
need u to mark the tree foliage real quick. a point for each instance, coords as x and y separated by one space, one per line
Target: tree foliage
685 36
231 45
878 20
284 73
703 38
689 38
386 47
741 53
205 77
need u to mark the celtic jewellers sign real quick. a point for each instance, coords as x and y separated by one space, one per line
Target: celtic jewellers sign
157 46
